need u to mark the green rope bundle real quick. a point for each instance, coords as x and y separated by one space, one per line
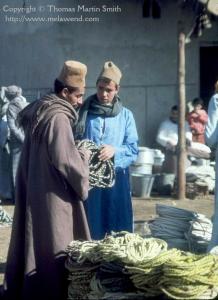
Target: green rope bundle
99 269
190 276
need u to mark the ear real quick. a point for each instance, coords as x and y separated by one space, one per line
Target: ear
64 93
118 88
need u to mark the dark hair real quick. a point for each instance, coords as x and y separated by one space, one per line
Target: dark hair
106 80
197 101
59 86
174 107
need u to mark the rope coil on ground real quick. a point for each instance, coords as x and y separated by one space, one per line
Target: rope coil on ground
182 229
125 265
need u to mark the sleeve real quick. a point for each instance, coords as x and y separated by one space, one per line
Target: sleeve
211 131
162 137
66 158
12 113
203 117
127 153
191 119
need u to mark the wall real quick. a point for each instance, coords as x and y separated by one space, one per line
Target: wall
33 51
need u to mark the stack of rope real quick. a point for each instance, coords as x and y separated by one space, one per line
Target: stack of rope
190 276
127 266
181 229
101 173
80 269
108 259
199 234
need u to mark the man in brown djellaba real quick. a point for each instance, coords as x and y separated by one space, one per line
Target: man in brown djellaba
52 182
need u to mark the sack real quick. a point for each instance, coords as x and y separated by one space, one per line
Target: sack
199 146
199 150
212 7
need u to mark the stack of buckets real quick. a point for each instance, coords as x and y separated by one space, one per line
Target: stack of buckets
142 178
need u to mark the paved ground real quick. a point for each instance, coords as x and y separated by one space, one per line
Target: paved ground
144 210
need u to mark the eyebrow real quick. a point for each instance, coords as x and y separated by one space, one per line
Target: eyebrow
104 88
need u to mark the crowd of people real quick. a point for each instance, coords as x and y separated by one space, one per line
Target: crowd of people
49 178
195 125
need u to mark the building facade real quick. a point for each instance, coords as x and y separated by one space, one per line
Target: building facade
38 36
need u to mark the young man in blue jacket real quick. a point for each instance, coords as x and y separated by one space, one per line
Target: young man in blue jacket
105 121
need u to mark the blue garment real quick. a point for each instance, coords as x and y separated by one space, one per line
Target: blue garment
110 209
211 137
16 133
6 185
119 132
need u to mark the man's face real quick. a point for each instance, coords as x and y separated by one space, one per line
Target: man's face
174 116
106 91
75 98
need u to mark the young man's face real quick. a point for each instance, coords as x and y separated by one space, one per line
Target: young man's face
74 98
106 91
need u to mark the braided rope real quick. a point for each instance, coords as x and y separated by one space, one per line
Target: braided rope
101 173
125 264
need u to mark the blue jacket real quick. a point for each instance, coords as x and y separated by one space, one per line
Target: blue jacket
119 132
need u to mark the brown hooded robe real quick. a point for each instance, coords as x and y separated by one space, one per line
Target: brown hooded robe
52 181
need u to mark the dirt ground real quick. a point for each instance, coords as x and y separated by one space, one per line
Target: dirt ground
144 210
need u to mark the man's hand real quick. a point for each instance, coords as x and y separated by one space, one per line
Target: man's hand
106 152
170 146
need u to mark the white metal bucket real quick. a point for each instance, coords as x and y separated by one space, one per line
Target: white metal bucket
141 169
145 156
142 185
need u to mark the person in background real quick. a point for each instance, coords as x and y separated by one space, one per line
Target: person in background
197 120
211 137
16 104
167 138
52 183
105 121
6 186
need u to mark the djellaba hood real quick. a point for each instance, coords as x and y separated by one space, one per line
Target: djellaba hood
35 116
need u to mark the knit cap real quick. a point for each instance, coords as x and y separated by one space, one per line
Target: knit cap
111 71
73 74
